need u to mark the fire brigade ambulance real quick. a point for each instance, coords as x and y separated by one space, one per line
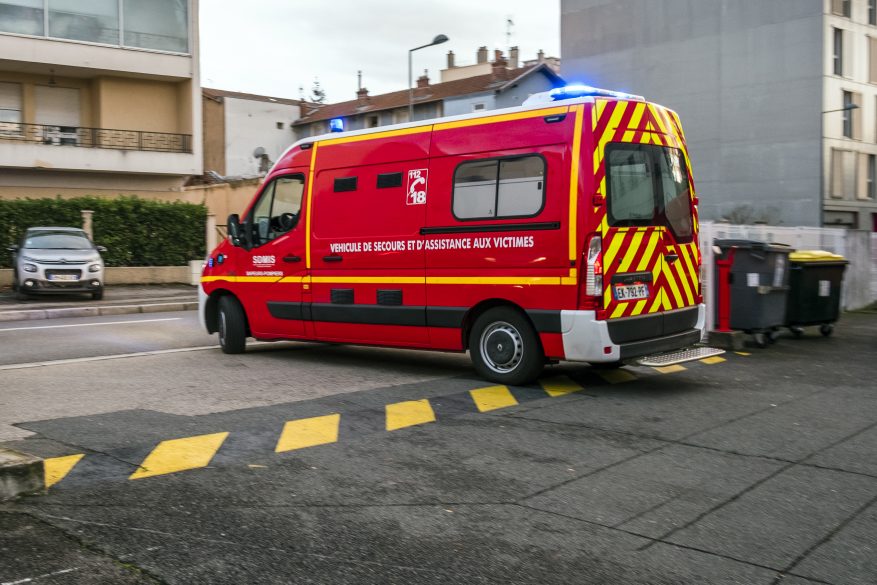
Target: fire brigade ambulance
564 229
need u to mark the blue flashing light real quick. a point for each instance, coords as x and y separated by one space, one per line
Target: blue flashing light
580 90
336 125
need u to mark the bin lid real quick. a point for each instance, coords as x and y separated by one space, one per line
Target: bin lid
815 256
751 245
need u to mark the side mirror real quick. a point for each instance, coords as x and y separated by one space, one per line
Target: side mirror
101 249
234 229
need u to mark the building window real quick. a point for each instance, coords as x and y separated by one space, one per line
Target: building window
24 17
157 24
838 52
841 7
10 107
372 121
872 12
872 59
280 125
843 174
477 107
501 188
847 114
96 21
871 180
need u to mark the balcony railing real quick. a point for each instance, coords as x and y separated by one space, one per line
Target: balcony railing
95 137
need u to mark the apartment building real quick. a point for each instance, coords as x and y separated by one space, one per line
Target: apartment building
778 98
99 97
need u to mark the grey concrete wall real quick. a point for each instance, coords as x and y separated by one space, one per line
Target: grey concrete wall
744 75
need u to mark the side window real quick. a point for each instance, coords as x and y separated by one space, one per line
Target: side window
499 188
277 210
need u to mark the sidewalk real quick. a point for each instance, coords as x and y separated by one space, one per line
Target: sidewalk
118 300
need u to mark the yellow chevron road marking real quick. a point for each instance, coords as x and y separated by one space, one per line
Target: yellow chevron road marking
308 432
616 376
560 386
492 398
408 414
671 369
180 455
56 468
712 360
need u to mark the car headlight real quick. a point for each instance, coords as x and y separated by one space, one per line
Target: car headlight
30 267
94 268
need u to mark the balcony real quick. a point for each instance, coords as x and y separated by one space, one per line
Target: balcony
96 137
96 149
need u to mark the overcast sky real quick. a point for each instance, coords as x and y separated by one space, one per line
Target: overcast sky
272 47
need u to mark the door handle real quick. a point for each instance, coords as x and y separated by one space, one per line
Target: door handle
332 258
671 258
292 258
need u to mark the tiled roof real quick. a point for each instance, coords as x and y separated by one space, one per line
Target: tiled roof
221 93
422 95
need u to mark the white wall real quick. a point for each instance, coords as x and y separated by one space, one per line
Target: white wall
249 124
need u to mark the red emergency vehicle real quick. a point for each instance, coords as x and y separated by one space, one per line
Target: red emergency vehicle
564 229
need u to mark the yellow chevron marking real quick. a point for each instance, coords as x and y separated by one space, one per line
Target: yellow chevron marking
656 304
639 308
308 432
559 386
690 267
616 376
671 369
630 253
492 398
650 252
712 360
574 180
743 353
56 468
680 278
601 107
180 455
671 284
619 310
409 414
614 247
635 121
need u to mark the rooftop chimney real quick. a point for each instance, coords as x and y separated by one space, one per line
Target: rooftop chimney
540 56
362 94
423 80
513 58
450 59
482 55
499 67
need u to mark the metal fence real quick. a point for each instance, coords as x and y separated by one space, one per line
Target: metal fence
95 137
859 247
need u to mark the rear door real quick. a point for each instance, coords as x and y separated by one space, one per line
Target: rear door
650 255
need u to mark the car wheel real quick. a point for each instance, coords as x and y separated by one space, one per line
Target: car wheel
505 348
232 325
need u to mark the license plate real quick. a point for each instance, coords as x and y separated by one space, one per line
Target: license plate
62 277
631 292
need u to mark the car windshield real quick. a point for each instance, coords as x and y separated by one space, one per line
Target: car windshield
57 241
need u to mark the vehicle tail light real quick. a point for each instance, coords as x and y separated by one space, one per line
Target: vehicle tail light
594 268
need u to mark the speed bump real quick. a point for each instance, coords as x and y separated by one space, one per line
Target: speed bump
408 414
560 386
57 468
492 398
308 432
180 455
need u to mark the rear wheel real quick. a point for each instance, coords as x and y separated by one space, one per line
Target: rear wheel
232 325
505 348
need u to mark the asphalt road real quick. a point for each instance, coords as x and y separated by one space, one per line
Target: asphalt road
302 463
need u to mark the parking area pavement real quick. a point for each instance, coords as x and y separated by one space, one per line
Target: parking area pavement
754 468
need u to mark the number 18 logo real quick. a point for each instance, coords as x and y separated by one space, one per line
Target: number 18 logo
417 187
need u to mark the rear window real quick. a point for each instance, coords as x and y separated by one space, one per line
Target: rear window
648 185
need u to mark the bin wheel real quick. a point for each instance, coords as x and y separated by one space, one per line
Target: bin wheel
797 331
826 329
760 340
771 336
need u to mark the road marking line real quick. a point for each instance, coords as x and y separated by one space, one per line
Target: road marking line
180 455
408 414
91 324
616 376
672 369
560 386
308 432
56 468
712 360
492 398
38 577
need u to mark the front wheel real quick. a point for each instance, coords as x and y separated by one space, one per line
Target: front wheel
505 348
232 326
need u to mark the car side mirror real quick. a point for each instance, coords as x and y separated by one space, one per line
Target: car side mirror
234 229
101 249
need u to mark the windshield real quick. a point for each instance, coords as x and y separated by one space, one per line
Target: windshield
57 241
647 185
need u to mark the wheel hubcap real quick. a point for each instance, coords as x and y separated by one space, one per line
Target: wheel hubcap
502 347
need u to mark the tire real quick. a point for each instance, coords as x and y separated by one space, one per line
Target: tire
505 348
232 325
826 329
97 295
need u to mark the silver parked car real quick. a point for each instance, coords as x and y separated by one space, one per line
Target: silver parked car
57 260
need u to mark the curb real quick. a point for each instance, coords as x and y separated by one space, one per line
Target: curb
37 314
20 474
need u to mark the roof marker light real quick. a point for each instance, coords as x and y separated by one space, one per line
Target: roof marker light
577 91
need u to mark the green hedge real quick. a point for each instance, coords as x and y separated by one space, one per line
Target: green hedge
136 232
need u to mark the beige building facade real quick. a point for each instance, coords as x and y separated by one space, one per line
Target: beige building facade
99 98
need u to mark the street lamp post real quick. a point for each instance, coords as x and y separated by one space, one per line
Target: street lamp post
846 108
436 41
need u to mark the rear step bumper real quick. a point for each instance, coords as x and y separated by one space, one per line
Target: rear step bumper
587 339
